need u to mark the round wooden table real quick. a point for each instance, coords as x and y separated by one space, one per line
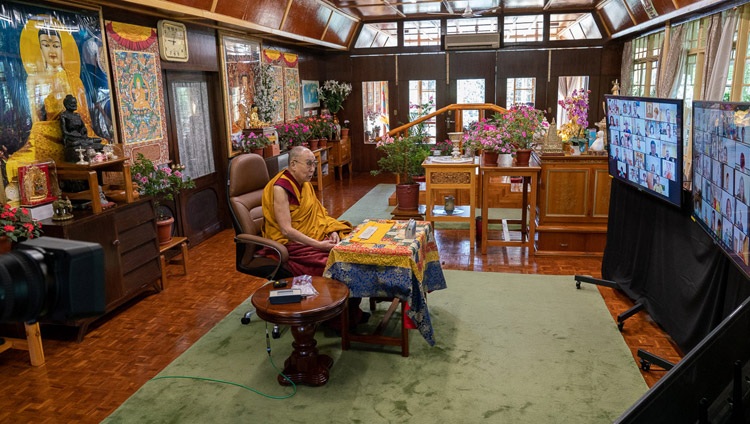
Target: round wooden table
305 365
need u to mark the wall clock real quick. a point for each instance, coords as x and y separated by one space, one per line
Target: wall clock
173 43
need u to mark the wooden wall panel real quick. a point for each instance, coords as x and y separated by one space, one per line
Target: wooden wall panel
522 64
268 13
307 18
198 4
234 8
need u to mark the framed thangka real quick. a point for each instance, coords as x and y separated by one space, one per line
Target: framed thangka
310 97
49 53
137 70
239 57
291 93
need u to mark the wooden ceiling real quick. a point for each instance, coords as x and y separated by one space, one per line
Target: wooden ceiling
334 23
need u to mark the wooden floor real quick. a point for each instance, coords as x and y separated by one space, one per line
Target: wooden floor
84 382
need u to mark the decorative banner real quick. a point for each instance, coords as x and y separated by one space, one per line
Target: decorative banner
290 59
137 70
278 99
291 93
49 53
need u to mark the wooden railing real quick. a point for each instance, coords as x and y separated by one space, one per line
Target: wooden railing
481 107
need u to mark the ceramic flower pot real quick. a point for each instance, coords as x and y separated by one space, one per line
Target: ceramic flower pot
164 230
407 196
523 156
489 158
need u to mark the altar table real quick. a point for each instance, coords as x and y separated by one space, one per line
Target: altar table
388 265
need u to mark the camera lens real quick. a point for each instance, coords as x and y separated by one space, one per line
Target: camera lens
23 287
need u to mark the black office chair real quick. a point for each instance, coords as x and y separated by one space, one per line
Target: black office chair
246 179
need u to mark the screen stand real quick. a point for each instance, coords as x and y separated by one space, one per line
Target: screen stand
648 358
613 285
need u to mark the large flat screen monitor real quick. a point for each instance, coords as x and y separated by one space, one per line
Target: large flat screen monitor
645 144
721 175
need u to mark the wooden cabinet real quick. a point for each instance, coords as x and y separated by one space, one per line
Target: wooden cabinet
127 234
340 155
323 173
573 205
92 173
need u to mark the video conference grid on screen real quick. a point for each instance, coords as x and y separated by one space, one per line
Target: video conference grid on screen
644 139
721 174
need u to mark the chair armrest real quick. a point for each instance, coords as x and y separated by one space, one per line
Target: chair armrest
279 248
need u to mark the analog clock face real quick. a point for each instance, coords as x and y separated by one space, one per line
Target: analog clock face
173 41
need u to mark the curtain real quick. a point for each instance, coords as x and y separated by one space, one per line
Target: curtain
717 67
626 78
672 63
194 128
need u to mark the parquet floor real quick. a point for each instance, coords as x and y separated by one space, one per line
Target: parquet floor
84 382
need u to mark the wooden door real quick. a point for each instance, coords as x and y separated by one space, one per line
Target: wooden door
195 115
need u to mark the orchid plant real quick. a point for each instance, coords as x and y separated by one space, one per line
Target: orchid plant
577 111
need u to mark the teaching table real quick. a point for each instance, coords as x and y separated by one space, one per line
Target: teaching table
389 265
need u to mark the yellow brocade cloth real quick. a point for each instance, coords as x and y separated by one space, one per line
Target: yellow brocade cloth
309 217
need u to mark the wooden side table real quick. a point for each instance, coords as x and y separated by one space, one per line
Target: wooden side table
182 242
305 365
530 175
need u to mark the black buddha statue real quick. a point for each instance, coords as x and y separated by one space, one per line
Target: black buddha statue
75 134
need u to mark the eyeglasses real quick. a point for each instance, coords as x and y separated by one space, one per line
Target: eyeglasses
309 163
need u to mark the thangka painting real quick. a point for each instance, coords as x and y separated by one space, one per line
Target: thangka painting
286 72
134 53
239 57
291 93
49 53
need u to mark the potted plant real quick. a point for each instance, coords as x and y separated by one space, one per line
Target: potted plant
345 128
162 182
491 138
576 108
252 143
521 123
403 156
17 225
333 93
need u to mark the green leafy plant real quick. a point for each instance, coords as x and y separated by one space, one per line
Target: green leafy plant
403 156
333 94
267 93
18 225
521 123
162 182
418 110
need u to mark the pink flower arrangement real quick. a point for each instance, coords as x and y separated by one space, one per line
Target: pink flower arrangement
292 134
18 225
577 111
521 123
489 136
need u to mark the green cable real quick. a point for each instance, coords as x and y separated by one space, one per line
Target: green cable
231 383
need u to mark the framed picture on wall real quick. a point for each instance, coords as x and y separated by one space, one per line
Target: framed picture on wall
239 58
310 94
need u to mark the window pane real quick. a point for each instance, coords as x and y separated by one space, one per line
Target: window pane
521 91
194 133
375 109
523 28
378 35
472 26
421 103
470 91
573 26
422 33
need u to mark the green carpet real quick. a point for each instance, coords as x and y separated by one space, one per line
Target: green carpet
511 348
374 205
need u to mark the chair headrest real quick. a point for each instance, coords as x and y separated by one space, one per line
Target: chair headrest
247 173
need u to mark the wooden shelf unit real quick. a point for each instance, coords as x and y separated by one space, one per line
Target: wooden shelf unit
92 173
573 205
341 155
127 233
323 173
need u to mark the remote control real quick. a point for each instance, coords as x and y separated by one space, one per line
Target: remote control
367 233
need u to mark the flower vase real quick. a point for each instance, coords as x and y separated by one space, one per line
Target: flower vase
5 244
505 160
407 196
164 230
489 158
523 156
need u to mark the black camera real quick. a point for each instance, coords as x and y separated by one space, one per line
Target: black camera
51 278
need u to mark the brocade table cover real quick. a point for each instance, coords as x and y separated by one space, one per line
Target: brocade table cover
387 264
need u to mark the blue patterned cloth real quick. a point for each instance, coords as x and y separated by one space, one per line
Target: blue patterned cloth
391 266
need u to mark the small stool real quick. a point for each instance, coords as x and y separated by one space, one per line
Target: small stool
176 241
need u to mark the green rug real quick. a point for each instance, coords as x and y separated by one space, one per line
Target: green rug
511 348
374 205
